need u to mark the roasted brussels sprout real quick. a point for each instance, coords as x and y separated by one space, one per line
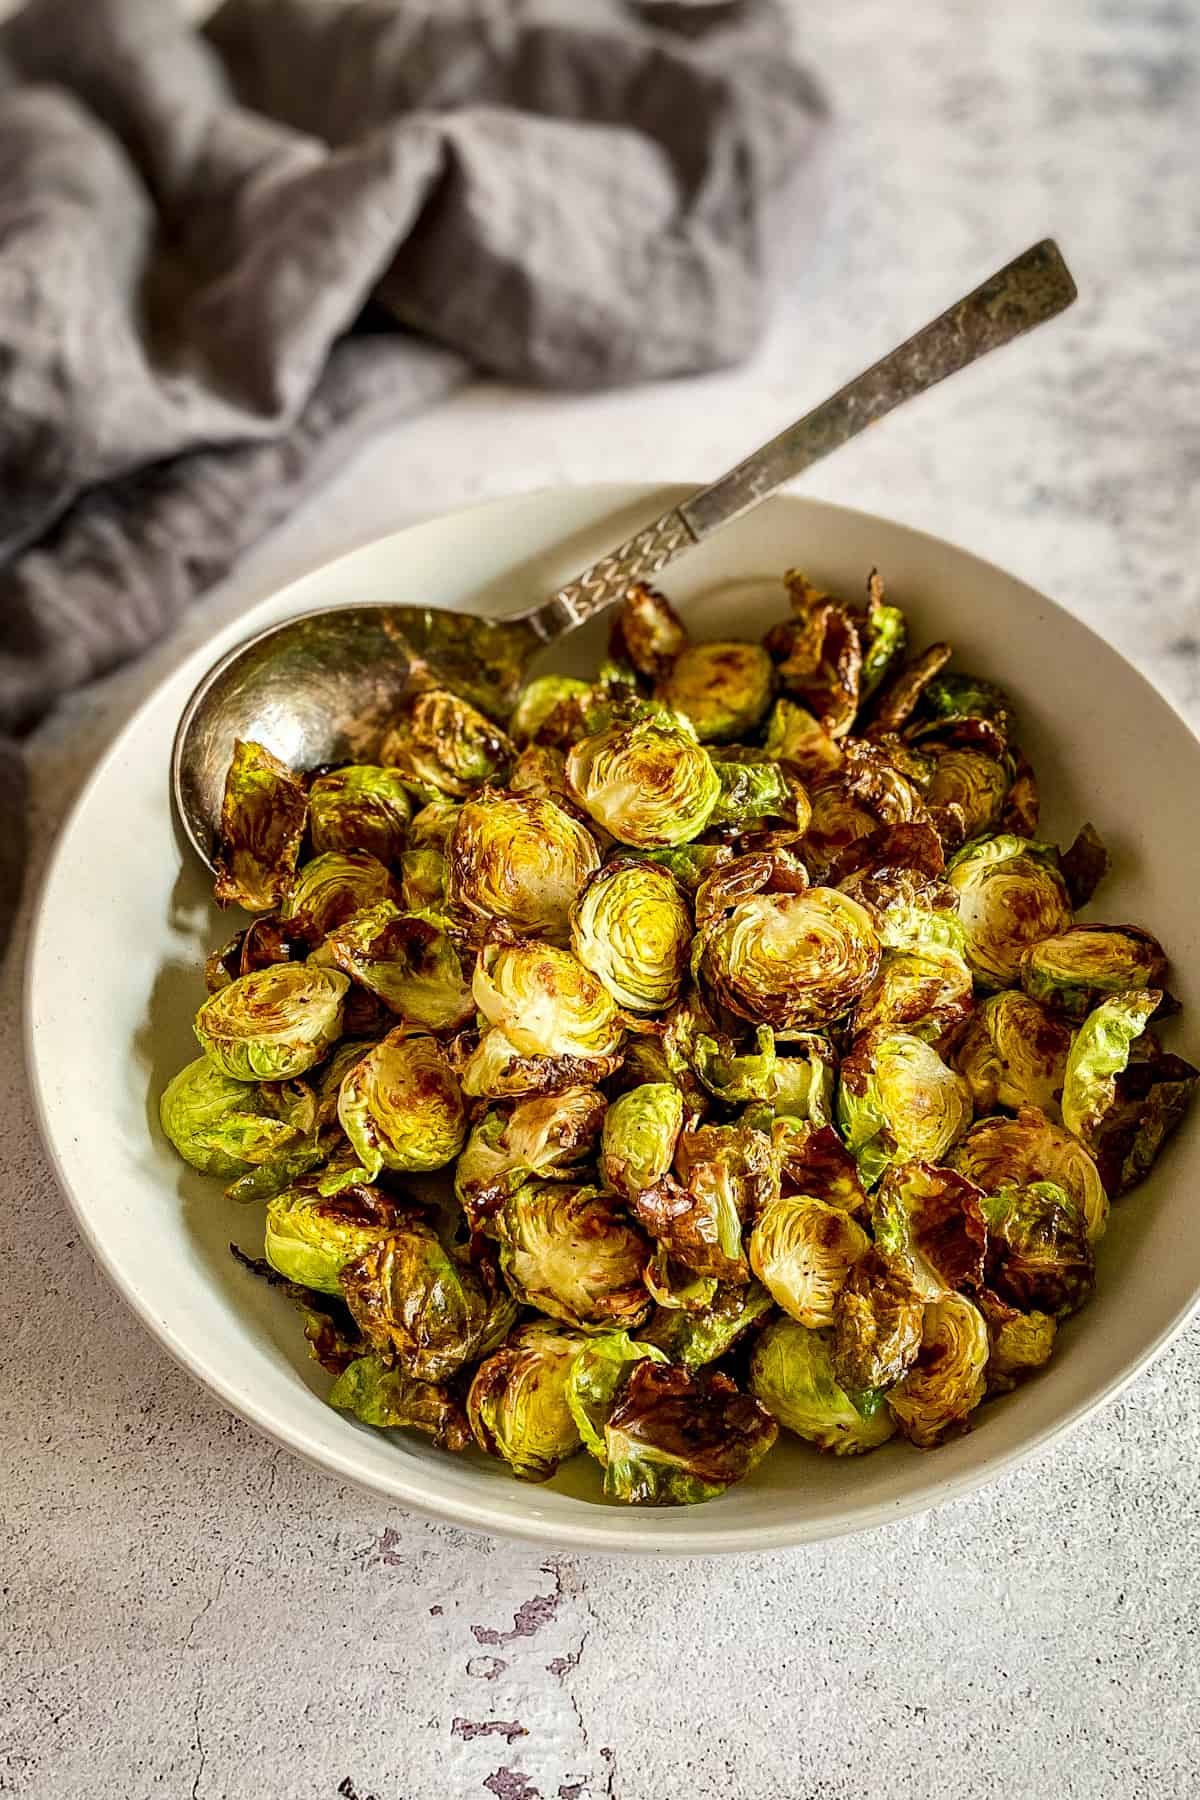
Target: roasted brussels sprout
695 1336
736 1162
641 1130
697 1228
632 928
932 1221
1021 1341
895 706
330 889
650 783
927 993
818 654
690 864
495 1069
548 1134
272 1024
431 1309
598 1370
950 700
878 1319
566 1250
409 962
1150 1098
1011 1153
1010 895
545 1001
949 1377
312 1236
674 1438
648 632
966 793
537 700
798 741
723 688
1099 1055
791 1372
816 1163
885 638
802 1251
1014 1054
1039 1254
775 871
222 1126
262 822
517 1403
752 792
401 1107
898 1101
380 1394
522 861
444 745
1076 968
792 961
360 807
262 943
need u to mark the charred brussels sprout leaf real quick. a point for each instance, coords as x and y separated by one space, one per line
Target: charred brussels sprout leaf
311 1236
1099 1056
648 633
522 861
952 699
802 1251
445 746
1073 970
736 1164
597 1372
949 1377
431 1309
898 1101
791 1372
548 1134
538 699
545 1001
222 1126
632 928
330 889
381 1395
495 1069
409 962
675 1438
723 688
966 793
818 654
262 943
1039 1253
401 1107
817 1164
641 1130
566 1250
517 1403
799 741
273 1024
262 822
360 807
696 1227
1150 1099
649 784
1084 864
1014 1054
704 1334
1011 1153
932 1221
878 1320
790 960
1021 1342
1010 895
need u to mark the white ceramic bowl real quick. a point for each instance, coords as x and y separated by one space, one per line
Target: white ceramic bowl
124 922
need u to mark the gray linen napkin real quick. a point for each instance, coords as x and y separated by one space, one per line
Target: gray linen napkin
228 253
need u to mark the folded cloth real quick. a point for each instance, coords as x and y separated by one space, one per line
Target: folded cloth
228 252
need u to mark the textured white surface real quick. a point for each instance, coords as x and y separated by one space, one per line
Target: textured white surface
187 1611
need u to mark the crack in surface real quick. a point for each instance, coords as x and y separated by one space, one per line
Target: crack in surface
197 1743
210 1602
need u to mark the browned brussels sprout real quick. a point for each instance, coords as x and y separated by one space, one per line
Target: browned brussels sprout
522 861
641 1130
650 784
816 1163
565 1249
444 746
545 1002
802 1251
878 1320
632 928
696 1227
536 702
1014 1054
724 688
1010 895
932 1221
791 1372
1021 1341
1039 1254
331 889
800 742
966 793
409 962
312 1236
1011 1153
674 1438
703 1334
262 943
1075 969
818 655
897 1101
360 807
648 632
263 813
401 1107
546 1135
949 1377
430 1309
380 1394
737 1162
492 1067
793 961
895 706
518 1401
273 1024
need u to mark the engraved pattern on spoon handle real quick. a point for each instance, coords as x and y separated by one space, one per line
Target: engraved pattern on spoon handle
609 580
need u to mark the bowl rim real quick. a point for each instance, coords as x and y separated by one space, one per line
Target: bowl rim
613 1532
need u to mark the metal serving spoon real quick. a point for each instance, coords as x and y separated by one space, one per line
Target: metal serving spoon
331 681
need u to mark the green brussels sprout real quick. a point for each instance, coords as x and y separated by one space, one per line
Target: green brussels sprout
690 864
262 943
517 1403
878 1320
597 1372
750 1075
754 791
401 1107
495 1069
1014 1054
540 1136
431 1309
409 962
540 773
695 1337
932 1222
1011 1153
566 1250
330 889
650 783
1039 1254
648 632
802 1251
966 793
312 1236
263 811
818 654
381 1395
1099 1056
521 861
792 961
359 807
273 1024
885 638
424 875
222 1126
545 1001
817 1164
1010 894
433 827
632 928
1021 1341
1076 968
791 1372
641 1130
537 700
949 1377
674 1438
444 746
897 1101
724 688
898 701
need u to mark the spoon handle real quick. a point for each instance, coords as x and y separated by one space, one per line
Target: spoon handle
1026 292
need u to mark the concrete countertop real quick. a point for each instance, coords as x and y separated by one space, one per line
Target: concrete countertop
188 1611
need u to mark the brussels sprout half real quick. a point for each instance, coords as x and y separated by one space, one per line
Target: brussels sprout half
650 784
493 1068
263 811
898 1101
878 1320
330 889
544 1135
723 688
433 1310
1021 1341
696 1227
1011 1153
537 700
949 1377
641 1130
545 1001
517 1402
522 861
222 1126
931 1221
401 1106
966 793
597 1372
1013 1054
816 1163
566 1250
802 1251
381 1395
791 1372
274 1023
445 746
1074 969
793 961
648 632
360 807
674 1438
632 928
409 962
1039 1254
800 742
1010 895
312 1236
